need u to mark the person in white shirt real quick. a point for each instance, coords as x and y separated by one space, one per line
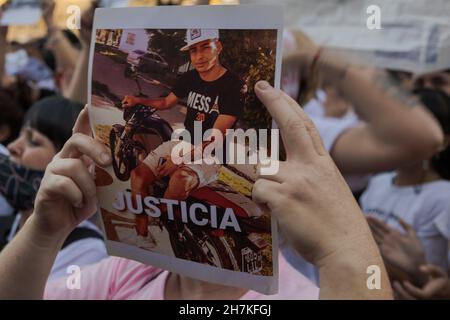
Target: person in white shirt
416 194
387 135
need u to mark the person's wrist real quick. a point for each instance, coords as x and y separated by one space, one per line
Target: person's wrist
44 234
348 251
345 272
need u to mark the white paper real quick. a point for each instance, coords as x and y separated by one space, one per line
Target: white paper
114 3
121 37
414 34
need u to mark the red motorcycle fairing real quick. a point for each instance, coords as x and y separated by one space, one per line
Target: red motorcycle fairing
211 196
246 222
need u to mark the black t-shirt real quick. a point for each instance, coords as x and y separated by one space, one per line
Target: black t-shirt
206 100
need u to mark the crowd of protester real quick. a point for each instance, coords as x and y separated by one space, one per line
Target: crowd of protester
373 136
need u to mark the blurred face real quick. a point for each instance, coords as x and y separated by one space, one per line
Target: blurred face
32 149
436 80
205 55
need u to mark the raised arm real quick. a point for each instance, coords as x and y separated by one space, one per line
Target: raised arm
398 129
65 54
66 197
77 90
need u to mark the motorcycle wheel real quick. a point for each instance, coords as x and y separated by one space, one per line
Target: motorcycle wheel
224 252
214 251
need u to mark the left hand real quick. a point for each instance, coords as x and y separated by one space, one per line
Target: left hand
167 168
401 251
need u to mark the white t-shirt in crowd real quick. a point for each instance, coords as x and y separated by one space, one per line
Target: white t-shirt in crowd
426 207
5 208
80 253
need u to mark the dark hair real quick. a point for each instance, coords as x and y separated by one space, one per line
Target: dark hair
54 117
438 103
11 114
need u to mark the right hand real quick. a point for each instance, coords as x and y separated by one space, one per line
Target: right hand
130 101
67 194
309 197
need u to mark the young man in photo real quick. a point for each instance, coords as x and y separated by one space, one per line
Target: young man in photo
214 100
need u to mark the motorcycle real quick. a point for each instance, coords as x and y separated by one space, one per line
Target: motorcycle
127 150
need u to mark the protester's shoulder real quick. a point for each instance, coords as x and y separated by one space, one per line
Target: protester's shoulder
381 179
442 185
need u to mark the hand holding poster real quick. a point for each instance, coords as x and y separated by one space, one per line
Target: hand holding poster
21 12
167 85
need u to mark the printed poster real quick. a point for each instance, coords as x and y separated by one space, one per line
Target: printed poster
171 95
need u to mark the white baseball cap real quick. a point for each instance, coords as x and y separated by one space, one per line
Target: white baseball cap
194 36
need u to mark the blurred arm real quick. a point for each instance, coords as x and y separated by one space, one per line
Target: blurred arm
398 128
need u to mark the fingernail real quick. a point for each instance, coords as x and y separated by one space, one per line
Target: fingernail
263 85
105 157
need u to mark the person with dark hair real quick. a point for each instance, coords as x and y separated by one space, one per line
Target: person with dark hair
47 126
54 118
409 209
